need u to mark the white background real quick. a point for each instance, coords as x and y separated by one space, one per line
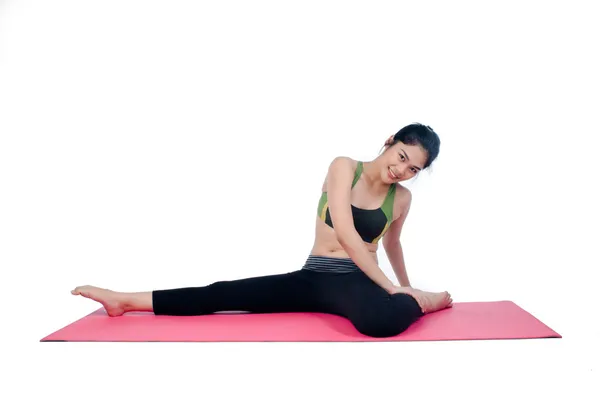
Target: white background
149 145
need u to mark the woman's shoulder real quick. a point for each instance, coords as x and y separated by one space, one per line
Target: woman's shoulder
343 161
402 192
340 163
402 199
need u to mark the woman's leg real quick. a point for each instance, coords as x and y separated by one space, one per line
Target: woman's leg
371 309
116 303
289 292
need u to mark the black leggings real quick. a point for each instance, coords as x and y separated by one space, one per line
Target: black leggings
352 295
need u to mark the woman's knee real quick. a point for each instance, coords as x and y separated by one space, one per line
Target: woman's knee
383 323
384 327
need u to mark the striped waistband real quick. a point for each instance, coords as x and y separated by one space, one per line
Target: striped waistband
330 264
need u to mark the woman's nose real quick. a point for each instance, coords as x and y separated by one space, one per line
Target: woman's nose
401 170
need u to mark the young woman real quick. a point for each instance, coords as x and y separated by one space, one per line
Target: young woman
361 204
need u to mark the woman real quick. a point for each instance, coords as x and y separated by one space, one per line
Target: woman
366 204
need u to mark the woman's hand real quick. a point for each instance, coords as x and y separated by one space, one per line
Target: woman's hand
419 296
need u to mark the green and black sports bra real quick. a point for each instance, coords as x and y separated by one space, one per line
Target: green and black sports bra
371 224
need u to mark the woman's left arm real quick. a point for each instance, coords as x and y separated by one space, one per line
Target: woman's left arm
391 240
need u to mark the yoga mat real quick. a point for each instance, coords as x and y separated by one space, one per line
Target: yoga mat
464 321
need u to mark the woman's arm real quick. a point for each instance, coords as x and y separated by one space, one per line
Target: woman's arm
396 258
391 240
339 186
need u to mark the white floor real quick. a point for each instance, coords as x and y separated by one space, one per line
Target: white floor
491 368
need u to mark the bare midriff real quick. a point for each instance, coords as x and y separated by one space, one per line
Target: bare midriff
327 244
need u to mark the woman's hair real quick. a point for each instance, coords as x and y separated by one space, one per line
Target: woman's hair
422 135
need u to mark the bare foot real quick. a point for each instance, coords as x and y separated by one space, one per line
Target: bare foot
113 302
428 301
435 301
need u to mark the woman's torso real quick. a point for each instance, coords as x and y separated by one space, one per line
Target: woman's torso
366 204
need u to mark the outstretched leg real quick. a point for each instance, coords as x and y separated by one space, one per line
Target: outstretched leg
289 292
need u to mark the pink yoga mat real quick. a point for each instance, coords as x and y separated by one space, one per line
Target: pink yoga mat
464 321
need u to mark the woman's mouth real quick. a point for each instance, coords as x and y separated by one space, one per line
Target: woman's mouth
391 174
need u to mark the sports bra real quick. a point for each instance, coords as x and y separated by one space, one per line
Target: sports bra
371 224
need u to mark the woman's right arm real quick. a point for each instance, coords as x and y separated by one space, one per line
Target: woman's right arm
339 186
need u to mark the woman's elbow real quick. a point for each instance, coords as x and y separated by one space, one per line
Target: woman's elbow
390 242
345 236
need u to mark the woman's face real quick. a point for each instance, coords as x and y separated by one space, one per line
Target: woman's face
402 162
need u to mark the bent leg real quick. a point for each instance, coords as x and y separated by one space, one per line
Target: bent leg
382 318
288 292
371 309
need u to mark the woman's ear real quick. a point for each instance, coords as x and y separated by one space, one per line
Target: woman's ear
390 140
